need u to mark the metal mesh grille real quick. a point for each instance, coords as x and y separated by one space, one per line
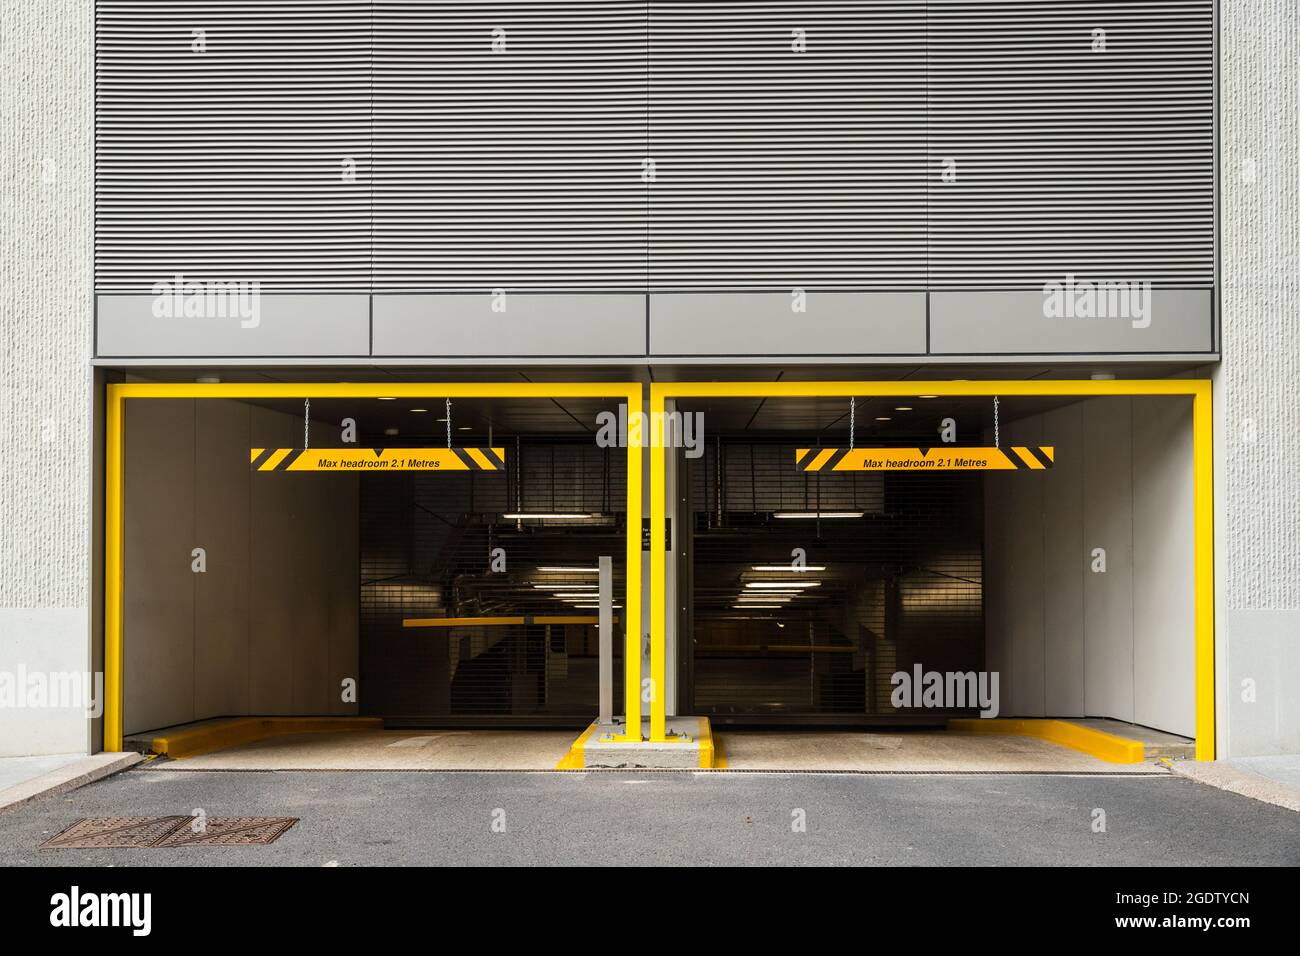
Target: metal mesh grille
427 542
899 585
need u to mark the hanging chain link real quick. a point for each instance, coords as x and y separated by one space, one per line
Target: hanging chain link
853 421
997 438
447 409
306 423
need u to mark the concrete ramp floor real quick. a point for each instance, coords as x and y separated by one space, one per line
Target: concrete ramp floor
935 751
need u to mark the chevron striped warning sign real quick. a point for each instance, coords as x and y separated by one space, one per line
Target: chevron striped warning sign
377 459
1027 457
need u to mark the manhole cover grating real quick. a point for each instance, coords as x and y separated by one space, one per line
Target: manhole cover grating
96 833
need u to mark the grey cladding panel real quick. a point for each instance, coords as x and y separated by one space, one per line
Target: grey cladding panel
1014 323
486 325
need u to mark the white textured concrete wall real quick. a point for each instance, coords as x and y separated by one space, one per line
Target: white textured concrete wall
1258 383
46 100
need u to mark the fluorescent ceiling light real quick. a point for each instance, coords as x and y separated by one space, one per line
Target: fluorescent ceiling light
750 607
526 515
784 585
419 410
927 396
903 408
778 598
883 418
571 570
576 595
388 398
814 514
783 567
564 587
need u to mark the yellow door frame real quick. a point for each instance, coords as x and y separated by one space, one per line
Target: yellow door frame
114 513
1202 477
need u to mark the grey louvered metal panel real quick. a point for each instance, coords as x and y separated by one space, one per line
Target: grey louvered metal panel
779 169
228 164
515 168
1099 164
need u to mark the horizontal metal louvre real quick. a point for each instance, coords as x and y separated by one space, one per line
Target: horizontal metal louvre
235 163
1070 160
463 147
508 145
780 167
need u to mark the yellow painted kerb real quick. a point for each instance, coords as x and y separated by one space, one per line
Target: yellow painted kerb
1108 747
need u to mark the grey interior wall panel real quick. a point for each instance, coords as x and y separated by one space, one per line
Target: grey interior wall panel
1064 563
243 324
1024 323
509 140
514 324
757 323
221 527
1108 523
1164 659
271 626
1070 158
789 143
158 603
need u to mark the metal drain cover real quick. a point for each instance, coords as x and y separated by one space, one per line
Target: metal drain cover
94 833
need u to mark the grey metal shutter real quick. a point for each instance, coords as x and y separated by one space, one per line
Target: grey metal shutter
1099 164
779 169
515 166
229 164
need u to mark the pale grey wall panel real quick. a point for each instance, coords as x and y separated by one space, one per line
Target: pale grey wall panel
1099 164
284 325
1108 523
1064 563
1011 323
158 598
1025 680
222 527
510 161
1164 619
1263 659
539 324
777 168
231 163
756 323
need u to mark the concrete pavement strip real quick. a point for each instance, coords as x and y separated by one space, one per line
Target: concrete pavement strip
68 777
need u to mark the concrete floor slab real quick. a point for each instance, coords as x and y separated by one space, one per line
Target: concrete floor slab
16 770
390 750
920 750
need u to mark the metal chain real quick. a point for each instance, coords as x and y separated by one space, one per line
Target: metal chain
448 412
306 423
853 421
997 438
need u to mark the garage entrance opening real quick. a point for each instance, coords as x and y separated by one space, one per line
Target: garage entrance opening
461 594
1063 584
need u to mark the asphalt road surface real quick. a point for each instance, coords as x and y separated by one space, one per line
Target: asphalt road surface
375 818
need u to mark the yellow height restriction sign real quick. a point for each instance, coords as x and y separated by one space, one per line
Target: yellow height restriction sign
377 459
1027 457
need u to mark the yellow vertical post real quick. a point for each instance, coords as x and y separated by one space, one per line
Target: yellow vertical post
1203 548
113 559
658 506
632 603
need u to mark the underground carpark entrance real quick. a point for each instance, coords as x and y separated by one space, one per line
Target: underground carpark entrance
931 569
337 559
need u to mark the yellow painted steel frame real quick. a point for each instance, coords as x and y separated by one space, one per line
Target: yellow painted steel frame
114 515
1202 471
